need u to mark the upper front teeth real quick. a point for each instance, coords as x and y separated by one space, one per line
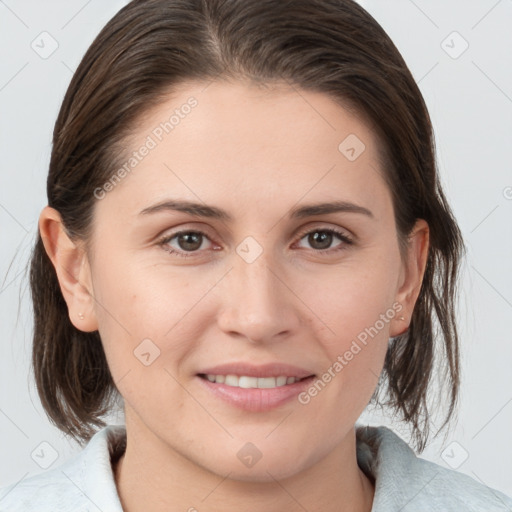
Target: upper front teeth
244 381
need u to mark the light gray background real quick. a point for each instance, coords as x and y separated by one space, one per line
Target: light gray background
470 100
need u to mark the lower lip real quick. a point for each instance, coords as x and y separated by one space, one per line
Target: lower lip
256 399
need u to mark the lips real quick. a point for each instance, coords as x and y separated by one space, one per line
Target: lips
267 370
255 388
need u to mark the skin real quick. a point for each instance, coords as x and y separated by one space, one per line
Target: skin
256 153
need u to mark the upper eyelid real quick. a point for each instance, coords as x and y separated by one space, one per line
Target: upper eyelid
336 230
322 227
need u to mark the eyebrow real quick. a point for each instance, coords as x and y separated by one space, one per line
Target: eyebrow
212 212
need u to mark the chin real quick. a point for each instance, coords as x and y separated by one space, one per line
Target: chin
259 473
247 463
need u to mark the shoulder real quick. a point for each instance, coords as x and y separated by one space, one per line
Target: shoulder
405 481
82 484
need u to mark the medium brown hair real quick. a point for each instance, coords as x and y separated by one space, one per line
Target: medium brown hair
329 46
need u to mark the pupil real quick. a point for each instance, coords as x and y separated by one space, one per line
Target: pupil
324 238
191 241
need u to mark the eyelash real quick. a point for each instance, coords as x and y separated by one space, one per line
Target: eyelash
322 252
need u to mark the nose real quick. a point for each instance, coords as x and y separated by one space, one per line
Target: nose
258 302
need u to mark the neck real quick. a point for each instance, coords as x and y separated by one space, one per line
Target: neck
152 476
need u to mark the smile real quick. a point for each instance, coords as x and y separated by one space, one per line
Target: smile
247 382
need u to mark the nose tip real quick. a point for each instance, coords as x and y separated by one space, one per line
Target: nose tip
258 331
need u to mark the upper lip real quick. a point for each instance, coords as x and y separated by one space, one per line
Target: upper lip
250 370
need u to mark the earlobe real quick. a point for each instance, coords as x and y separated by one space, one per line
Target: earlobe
72 268
411 277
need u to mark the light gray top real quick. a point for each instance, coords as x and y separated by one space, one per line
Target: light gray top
403 481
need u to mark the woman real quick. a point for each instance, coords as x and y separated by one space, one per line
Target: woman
246 241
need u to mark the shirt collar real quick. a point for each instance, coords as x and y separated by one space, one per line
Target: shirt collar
400 477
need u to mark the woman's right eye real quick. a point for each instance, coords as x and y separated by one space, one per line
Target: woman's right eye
186 244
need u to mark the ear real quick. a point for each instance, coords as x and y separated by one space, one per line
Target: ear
411 276
72 268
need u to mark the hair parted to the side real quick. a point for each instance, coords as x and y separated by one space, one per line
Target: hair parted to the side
329 46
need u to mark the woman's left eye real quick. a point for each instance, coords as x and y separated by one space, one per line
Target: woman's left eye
321 240
186 243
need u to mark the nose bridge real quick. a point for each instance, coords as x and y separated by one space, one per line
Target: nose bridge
258 305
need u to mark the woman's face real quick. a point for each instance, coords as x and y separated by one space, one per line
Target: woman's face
264 282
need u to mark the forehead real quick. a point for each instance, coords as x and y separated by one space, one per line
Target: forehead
249 146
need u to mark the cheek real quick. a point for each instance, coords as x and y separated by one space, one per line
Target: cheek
135 298
353 299
356 306
146 316
354 355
